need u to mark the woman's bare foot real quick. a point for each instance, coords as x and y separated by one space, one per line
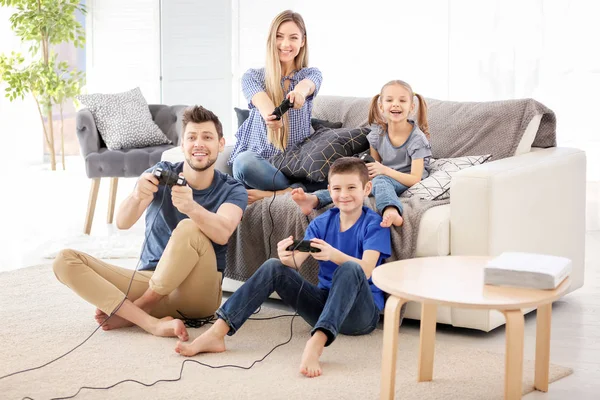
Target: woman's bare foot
256 195
211 341
391 216
169 327
309 366
307 202
115 322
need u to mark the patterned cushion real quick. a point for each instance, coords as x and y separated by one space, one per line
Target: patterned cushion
243 114
437 185
124 120
310 160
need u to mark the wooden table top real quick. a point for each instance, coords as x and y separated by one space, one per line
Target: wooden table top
457 281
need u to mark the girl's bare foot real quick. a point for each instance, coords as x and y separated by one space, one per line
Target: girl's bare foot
115 322
309 366
307 202
391 216
211 341
169 327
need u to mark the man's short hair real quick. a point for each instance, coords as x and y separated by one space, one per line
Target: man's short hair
198 114
350 165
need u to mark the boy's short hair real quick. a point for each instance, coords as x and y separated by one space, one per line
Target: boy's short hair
198 114
350 165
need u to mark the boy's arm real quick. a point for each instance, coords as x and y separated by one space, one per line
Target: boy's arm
329 253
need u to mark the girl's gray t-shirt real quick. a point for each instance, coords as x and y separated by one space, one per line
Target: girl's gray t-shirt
400 158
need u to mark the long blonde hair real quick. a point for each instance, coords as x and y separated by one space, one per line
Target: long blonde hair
279 138
376 117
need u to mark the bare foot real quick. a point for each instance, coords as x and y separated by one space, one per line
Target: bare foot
391 216
255 195
169 327
115 322
309 366
208 342
307 202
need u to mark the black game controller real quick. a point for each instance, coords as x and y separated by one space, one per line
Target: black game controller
367 158
168 178
303 246
282 109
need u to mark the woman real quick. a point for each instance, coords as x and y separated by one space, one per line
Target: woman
261 136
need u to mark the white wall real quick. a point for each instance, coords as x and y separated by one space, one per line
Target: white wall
462 50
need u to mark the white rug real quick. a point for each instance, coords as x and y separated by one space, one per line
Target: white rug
114 246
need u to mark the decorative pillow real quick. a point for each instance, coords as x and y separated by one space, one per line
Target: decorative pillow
124 120
243 114
437 185
311 159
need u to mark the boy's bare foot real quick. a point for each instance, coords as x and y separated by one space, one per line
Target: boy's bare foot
115 322
391 216
169 327
209 342
307 202
309 366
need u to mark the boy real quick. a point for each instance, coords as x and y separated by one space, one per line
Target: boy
352 244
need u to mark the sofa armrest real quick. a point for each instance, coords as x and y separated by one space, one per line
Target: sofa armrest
87 132
534 202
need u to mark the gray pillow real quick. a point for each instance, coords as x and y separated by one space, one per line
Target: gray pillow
124 120
310 160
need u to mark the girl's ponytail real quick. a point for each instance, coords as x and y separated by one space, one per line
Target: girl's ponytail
375 115
423 124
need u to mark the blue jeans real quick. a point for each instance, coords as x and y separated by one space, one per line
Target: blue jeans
385 189
347 308
257 173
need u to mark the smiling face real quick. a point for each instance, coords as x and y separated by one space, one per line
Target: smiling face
396 103
201 145
348 192
289 41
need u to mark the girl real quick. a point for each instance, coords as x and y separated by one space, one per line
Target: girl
261 136
399 146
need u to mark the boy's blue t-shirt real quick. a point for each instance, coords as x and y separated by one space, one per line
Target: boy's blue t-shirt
365 234
223 189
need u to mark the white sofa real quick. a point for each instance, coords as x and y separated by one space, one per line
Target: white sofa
533 202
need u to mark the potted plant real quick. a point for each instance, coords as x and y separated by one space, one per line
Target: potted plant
41 24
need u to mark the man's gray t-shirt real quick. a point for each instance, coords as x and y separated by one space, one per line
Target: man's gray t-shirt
400 158
223 189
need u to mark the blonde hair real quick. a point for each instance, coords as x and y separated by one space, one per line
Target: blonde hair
274 89
376 117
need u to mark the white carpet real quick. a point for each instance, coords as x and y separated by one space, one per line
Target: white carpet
42 319
114 246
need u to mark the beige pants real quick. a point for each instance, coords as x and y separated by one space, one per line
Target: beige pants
186 275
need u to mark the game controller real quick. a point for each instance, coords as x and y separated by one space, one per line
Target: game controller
366 157
168 178
303 246
282 109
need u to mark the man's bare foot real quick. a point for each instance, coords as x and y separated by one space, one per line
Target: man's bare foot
306 202
309 366
115 322
211 341
391 216
169 327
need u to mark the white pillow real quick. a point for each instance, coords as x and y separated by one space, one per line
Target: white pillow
437 185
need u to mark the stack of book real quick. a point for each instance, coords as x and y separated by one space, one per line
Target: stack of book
527 270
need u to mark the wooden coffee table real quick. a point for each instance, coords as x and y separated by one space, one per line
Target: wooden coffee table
457 281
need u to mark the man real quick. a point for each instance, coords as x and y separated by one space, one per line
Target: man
187 230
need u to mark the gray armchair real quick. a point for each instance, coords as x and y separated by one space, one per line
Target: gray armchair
100 162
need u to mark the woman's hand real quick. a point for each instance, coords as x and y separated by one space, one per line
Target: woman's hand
273 123
297 98
376 168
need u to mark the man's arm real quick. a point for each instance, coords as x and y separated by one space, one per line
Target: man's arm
134 205
218 226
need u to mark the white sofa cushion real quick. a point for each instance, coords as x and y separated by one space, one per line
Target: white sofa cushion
434 232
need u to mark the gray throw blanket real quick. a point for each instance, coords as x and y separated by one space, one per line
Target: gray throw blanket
249 245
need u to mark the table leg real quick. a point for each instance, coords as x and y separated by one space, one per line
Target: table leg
391 324
427 341
542 347
513 379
